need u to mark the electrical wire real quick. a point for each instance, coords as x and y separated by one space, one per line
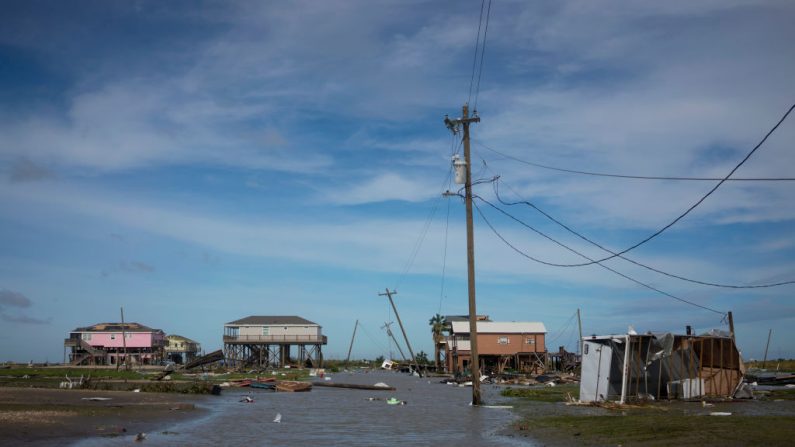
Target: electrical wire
692 207
636 177
561 331
423 232
639 264
477 44
370 336
444 258
522 253
482 55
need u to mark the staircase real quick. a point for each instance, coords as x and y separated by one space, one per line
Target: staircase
90 352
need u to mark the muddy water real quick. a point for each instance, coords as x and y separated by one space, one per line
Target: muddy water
435 414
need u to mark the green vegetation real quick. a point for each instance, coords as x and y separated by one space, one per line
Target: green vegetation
558 393
781 365
778 394
644 428
73 373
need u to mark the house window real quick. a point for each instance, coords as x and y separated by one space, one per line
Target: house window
530 341
86 337
265 330
503 340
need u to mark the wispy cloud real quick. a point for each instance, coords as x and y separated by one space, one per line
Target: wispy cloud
13 299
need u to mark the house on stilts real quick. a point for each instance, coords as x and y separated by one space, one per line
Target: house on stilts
263 341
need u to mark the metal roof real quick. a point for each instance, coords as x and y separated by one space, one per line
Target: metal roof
116 327
257 320
451 318
499 327
180 337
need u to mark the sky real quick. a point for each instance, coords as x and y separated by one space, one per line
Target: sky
198 162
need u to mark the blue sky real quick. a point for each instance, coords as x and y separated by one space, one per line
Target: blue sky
196 164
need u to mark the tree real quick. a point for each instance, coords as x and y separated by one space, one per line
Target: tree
421 358
437 323
379 360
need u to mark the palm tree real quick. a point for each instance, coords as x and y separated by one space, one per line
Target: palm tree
437 323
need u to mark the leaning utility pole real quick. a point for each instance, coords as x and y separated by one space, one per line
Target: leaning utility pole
392 335
408 345
350 348
764 361
474 367
123 342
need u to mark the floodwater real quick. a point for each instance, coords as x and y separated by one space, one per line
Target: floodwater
435 414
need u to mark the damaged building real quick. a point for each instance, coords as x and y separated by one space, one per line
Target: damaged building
635 367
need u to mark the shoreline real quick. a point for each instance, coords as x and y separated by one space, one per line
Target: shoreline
37 416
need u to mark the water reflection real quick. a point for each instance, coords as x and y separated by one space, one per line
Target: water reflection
434 414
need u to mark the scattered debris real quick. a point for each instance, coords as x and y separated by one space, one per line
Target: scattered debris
140 437
247 399
278 418
97 398
377 386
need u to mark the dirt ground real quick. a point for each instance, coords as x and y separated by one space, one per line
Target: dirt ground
46 416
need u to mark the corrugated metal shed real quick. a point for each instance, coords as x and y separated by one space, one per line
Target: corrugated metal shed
272 320
498 327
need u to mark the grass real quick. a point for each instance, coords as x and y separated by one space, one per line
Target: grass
544 394
636 428
781 394
780 365
111 379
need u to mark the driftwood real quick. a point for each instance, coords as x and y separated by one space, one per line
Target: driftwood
354 386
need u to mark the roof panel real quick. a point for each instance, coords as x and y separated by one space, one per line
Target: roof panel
272 320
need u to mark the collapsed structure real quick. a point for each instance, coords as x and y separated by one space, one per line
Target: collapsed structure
659 366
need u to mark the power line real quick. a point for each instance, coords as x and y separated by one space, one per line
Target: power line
522 253
565 326
639 264
444 259
482 54
477 44
423 232
635 177
692 207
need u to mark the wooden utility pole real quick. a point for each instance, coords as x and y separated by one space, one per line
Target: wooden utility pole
392 335
350 348
764 361
731 326
579 343
123 342
474 367
400 323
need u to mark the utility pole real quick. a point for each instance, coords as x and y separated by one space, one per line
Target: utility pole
350 348
474 367
400 323
579 323
388 328
764 361
731 326
123 342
